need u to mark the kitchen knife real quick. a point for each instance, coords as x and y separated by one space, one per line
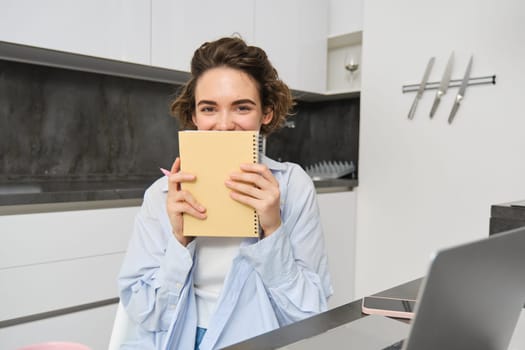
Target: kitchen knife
421 88
461 92
443 86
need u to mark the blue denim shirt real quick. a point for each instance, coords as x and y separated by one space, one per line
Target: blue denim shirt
272 282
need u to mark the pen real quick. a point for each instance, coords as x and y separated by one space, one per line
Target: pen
165 172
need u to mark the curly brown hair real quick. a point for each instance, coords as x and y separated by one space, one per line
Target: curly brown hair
235 53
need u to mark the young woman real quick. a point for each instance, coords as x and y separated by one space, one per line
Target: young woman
185 292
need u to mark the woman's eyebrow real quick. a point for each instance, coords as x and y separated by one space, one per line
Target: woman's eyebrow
234 103
206 102
245 100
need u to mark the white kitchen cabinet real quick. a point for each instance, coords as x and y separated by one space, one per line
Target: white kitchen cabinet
338 213
91 327
113 29
345 16
344 63
165 33
293 33
56 260
344 46
179 27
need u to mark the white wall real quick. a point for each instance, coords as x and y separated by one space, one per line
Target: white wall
424 184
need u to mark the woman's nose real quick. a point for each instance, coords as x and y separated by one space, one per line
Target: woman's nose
225 121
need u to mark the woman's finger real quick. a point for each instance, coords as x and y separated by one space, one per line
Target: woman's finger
260 169
173 184
176 177
186 208
187 198
245 188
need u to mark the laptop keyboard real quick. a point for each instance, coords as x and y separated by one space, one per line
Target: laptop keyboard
395 346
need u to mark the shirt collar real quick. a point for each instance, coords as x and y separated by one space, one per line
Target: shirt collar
272 164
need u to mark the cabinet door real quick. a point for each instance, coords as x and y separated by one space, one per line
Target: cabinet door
338 212
293 33
345 16
112 29
91 327
71 258
180 27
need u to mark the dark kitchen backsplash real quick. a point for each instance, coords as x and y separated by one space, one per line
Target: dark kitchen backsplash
65 124
319 131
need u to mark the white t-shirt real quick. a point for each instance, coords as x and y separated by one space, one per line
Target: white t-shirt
213 258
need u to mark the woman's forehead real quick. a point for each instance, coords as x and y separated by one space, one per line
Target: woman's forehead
226 83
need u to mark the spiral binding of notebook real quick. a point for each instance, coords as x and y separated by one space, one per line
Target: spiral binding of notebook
257 149
258 146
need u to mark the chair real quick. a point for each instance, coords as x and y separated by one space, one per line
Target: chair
55 346
121 328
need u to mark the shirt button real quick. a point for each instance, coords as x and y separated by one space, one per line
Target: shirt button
178 285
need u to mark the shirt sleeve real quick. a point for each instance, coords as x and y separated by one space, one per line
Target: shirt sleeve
156 267
292 261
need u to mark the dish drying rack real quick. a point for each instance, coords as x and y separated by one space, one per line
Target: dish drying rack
326 170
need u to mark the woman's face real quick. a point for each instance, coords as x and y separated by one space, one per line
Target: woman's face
227 99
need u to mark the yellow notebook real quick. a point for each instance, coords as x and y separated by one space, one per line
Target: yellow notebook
212 156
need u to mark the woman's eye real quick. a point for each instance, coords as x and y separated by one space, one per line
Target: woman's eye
244 108
207 109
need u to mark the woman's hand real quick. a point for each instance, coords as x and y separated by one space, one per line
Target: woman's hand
181 202
256 187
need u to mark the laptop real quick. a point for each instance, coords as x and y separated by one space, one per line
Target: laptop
471 298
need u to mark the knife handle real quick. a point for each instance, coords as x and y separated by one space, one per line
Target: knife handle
435 105
413 108
453 112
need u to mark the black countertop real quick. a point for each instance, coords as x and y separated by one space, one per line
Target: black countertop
23 193
507 216
322 322
71 191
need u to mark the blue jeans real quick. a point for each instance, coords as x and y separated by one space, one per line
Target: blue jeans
199 336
